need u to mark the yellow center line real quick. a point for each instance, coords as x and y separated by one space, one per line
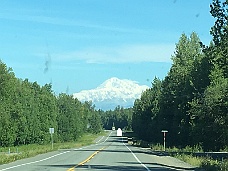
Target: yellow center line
86 160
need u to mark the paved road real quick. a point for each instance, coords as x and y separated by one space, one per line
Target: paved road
110 153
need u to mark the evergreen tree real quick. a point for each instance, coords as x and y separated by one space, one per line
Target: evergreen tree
179 88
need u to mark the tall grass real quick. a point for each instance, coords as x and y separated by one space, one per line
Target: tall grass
205 163
187 149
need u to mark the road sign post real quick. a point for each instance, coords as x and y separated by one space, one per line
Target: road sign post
164 132
51 131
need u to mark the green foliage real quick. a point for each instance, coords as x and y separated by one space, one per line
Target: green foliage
28 110
187 155
214 165
204 163
194 161
95 125
166 104
70 120
120 117
192 101
145 112
210 110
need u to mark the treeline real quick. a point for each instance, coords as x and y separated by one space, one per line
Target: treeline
28 110
119 117
192 100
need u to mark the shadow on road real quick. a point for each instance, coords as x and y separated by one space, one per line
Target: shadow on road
161 165
120 150
128 166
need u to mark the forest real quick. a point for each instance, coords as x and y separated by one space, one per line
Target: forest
191 103
28 110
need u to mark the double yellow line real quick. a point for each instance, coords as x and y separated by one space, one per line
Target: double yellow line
86 160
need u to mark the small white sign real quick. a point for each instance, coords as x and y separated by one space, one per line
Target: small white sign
164 131
51 130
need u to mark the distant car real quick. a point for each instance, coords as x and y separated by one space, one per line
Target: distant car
119 132
113 128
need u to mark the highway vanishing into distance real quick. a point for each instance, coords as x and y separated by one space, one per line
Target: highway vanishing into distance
109 153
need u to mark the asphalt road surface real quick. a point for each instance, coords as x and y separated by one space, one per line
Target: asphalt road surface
109 153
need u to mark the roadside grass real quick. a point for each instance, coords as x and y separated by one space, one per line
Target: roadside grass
10 154
186 155
205 163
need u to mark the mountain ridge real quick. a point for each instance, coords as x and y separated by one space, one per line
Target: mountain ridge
111 93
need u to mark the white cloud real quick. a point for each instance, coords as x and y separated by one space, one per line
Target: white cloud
68 22
122 54
102 54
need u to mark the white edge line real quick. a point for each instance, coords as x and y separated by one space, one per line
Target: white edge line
100 139
24 164
34 161
137 158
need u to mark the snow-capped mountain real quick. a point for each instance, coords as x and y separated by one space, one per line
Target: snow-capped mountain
111 93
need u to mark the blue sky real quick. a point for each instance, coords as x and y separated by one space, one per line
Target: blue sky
78 44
